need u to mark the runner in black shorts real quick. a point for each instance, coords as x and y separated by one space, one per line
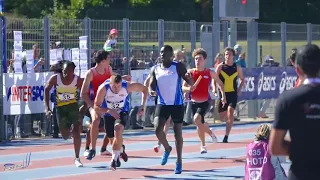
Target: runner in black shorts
166 83
112 100
199 95
168 123
229 73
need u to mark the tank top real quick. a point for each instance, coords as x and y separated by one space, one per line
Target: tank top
229 75
97 80
66 94
258 162
201 93
116 101
169 85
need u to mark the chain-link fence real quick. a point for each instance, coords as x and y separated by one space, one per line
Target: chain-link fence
139 42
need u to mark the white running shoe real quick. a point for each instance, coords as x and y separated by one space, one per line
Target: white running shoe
105 153
157 148
86 153
213 136
203 150
78 163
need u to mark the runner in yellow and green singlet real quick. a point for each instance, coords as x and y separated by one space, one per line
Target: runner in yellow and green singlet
67 85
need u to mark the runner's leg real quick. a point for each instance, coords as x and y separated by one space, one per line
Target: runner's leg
118 140
177 113
162 114
94 133
166 129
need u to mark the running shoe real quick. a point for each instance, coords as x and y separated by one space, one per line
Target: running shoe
118 162
165 157
157 148
203 150
105 152
92 154
86 153
225 139
78 163
213 136
123 154
178 169
113 165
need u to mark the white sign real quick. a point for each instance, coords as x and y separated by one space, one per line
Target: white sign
140 76
83 42
24 93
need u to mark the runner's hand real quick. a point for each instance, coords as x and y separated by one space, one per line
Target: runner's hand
188 75
127 77
49 114
223 101
114 113
192 88
141 111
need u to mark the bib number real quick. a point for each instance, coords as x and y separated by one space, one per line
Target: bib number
66 97
115 105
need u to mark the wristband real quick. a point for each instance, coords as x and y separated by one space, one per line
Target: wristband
91 109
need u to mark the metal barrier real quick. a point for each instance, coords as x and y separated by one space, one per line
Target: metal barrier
141 40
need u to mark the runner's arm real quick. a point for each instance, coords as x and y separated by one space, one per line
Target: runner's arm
218 70
147 81
182 71
84 94
153 81
49 86
214 78
186 86
241 77
137 87
283 115
101 93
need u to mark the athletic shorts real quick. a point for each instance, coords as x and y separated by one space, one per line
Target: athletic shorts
109 123
101 125
200 108
165 111
232 100
67 115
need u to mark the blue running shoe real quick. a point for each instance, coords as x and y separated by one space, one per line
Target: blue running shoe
165 157
178 169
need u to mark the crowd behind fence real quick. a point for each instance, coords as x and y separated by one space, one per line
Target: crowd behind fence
139 42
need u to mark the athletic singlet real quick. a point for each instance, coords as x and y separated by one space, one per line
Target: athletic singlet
116 101
201 93
97 80
169 85
229 76
66 94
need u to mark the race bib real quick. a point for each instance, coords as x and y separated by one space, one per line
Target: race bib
66 96
115 105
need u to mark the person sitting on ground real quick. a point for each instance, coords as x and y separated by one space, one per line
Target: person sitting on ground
259 162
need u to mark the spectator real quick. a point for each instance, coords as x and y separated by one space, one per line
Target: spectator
269 167
241 61
238 49
179 56
269 62
111 40
218 59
